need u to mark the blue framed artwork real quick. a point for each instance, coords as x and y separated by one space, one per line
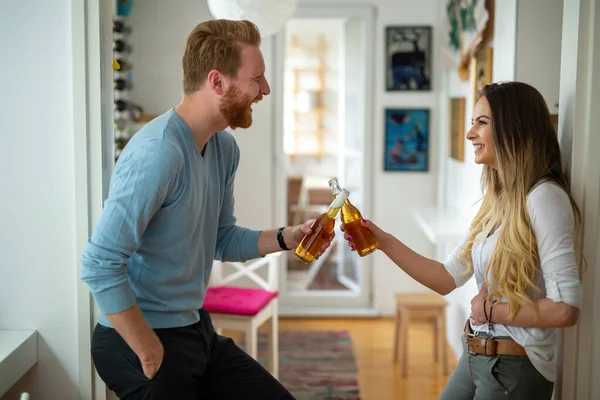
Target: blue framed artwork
406 139
408 58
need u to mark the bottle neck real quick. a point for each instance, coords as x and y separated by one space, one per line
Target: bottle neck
347 194
332 212
349 212
336 204
336 189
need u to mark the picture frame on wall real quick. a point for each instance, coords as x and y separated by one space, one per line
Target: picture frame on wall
481 71
457 128
406 143
408 58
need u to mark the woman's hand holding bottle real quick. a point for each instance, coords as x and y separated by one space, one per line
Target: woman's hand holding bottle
381 237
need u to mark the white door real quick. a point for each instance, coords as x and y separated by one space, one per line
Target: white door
302 290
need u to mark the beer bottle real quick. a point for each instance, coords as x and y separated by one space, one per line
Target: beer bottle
322 229
363 240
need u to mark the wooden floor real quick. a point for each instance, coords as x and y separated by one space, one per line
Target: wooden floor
378 376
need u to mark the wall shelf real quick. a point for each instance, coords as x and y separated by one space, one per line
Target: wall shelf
442 225
18 353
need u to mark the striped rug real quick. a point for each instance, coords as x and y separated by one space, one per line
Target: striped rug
315 364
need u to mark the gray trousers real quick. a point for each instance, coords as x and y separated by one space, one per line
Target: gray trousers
480 377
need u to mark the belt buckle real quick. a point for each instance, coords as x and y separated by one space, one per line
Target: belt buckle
471 352
471 336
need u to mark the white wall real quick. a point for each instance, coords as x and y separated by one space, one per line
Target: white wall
505 38
538 47
159 32
38 265
527 45
395 193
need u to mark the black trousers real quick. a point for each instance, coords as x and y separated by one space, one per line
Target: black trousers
198 364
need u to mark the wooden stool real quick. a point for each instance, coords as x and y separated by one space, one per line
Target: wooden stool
422 305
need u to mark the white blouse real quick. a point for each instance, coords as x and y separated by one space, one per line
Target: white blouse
557 277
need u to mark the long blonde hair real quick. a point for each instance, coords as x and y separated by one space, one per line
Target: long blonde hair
527 153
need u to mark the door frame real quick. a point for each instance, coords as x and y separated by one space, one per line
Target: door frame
308 302
91 29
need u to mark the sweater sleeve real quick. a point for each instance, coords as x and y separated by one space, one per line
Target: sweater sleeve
143 181
553 224
234 243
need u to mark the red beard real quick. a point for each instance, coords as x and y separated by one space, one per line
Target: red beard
236 108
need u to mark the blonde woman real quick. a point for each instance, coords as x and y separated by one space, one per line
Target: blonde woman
521 248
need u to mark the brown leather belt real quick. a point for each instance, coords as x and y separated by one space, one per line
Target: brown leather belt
491 346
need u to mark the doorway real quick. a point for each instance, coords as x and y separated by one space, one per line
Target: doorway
324 101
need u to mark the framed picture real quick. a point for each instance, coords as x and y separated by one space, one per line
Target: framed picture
457 128
408 58
406 139
481 71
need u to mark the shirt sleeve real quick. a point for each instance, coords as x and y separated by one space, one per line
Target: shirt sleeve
457 267
234 243
553 224
143 180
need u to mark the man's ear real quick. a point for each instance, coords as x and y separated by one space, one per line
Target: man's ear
216 81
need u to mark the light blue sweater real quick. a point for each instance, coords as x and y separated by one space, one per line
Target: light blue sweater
168 215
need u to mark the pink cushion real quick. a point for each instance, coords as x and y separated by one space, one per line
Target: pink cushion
235 300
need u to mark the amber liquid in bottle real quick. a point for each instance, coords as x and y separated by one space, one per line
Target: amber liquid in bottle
322 229
363 240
